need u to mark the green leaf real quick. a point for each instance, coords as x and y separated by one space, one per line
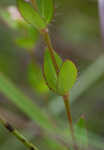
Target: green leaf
28 36
81 133
30 15
46 9
36 78
49 71
87 79
67 77
25 42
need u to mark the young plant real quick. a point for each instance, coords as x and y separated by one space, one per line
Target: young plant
59 76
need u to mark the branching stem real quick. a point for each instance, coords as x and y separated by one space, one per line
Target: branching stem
48 42
47 39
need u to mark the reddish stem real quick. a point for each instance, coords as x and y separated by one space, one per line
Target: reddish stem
67 106
50 48
34 4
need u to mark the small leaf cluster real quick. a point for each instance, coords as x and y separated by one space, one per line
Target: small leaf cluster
39 18
64 81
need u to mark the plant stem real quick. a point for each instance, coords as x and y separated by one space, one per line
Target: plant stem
67 106
65 97
48 42
18 135
47 39
34 3
50 48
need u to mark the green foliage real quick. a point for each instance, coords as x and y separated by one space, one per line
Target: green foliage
25 42
36 78
28 36
86 80
27 106
52 144
30 15
49 70
81 133
46 9
67 77
37 115
63 82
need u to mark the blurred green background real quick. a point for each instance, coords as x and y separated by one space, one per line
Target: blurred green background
75 33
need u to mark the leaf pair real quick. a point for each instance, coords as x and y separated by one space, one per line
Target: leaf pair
39 19
66 78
